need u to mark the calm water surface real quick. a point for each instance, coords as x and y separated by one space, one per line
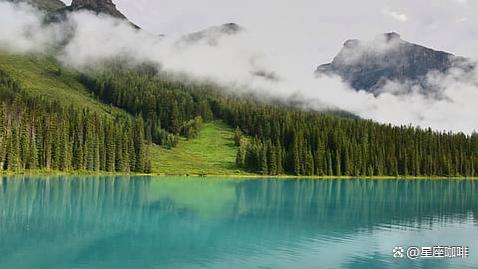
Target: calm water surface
144 222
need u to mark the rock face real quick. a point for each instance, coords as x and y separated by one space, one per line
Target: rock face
369 65
47 5
97 6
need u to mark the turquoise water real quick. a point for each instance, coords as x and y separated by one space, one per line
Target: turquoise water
144 222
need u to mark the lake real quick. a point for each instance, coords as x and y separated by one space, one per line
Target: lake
179 222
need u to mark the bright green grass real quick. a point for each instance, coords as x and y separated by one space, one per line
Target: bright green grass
212 153
43 76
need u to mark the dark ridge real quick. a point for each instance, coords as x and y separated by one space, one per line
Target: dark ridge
212 34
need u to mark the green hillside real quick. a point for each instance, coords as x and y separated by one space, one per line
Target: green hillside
124 120
213 152
44 76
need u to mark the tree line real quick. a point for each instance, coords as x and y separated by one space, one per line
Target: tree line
39 134
169 107
287 140
308 143
272 138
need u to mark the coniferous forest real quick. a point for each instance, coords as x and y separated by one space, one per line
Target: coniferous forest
275 138
272 138
38 134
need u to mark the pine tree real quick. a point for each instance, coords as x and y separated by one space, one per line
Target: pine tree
138 142
271 159
126 157
24 147
119 162
2 136
32 161
296 157
309 163
237 136
263 160
279 154
337 164
110 141
241 155
13 157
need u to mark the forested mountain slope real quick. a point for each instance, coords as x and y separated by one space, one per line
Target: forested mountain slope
48 120
110 120
44 76
285 139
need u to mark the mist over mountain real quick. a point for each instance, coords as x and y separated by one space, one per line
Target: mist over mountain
212 34
248 61
371 65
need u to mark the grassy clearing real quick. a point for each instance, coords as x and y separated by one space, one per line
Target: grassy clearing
212 153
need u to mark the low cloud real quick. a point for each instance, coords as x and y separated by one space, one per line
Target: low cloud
246 61
21 29
395 15
355 50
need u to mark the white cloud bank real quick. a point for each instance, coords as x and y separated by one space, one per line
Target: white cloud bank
233 61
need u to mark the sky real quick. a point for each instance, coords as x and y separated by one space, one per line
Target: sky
285 40
318 28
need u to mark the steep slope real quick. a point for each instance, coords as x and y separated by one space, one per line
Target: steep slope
368 65
49 122
99 6
213 152
44 76
47 5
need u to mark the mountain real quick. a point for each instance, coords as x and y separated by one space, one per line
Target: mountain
96 6
46 5
369 65
212 34
131 120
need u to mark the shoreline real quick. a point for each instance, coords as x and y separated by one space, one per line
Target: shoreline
240 176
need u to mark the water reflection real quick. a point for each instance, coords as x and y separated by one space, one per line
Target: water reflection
143 222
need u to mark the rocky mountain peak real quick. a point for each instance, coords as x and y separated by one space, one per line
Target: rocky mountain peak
99 6
230 28
368 65
106 7
391 36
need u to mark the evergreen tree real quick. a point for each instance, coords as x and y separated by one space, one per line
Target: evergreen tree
237 136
